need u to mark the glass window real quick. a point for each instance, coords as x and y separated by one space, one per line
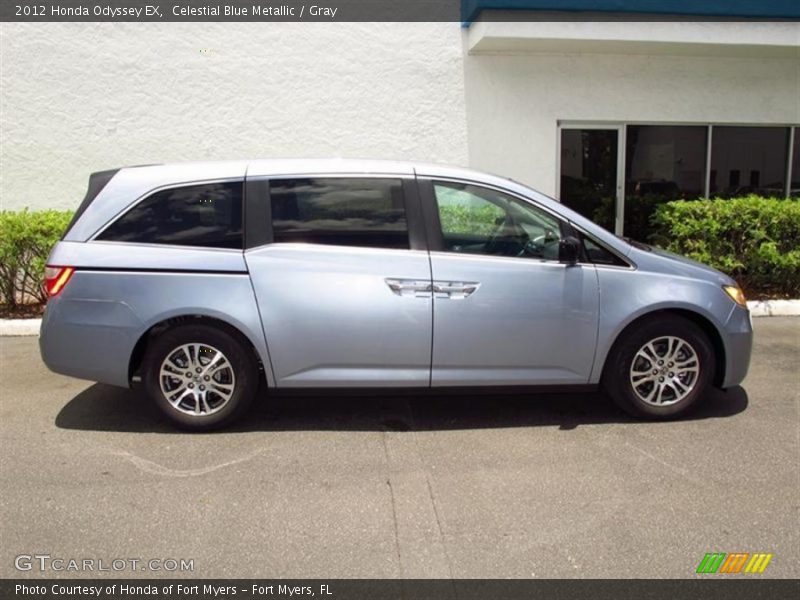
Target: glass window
598 254
477 220
339 211
589 173
748 160
662 163
208 215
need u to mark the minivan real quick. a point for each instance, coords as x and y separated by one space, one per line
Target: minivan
201 281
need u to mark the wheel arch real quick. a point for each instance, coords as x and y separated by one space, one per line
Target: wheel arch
701 321
163 325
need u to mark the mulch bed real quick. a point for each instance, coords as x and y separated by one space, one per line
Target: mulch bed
21 311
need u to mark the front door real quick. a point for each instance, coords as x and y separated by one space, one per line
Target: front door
343 289
506 311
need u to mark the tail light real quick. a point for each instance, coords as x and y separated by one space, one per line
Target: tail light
55 278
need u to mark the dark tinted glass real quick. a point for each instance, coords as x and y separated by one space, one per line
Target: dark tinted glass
589 173
208 215
341 211
748 160
662 163
599 255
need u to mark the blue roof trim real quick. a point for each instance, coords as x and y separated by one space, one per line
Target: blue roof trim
751 9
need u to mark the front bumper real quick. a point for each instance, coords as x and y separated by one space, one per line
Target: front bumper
738 340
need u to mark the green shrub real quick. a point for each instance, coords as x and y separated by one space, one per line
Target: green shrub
26 238
457 218
753 239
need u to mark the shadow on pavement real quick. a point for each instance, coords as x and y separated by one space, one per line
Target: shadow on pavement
106 408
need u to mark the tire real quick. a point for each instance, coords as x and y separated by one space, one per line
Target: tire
200 376
645 388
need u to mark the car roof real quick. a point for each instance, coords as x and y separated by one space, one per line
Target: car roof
172 173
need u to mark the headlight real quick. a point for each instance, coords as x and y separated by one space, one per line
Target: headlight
736 294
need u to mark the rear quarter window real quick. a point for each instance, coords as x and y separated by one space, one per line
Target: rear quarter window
208 215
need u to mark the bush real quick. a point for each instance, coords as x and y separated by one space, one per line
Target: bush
26 238
753 239
457 218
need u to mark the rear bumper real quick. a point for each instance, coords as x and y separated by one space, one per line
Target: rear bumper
88 339
738 346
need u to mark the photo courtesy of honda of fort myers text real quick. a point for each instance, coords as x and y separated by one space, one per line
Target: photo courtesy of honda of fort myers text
366 299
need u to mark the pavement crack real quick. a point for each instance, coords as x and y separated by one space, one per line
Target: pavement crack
439 527
154 468
394 505
682 472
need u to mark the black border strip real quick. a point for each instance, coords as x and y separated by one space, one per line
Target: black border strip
708 587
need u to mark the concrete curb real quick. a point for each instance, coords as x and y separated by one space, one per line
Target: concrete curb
774 308
19 327
758 308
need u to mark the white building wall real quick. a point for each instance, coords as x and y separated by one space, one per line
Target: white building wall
515 101
78 98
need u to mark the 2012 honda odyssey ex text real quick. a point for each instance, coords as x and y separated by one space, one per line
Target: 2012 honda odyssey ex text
201 279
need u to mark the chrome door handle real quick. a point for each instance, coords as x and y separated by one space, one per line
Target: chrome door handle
418 288
455 290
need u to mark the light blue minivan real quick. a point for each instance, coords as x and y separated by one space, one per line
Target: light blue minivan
200 280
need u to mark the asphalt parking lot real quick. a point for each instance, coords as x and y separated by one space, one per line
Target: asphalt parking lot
444 486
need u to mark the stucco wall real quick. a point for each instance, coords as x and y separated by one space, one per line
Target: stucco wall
78 98
514 102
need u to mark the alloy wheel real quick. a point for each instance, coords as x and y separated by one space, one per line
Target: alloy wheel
664 371
197 379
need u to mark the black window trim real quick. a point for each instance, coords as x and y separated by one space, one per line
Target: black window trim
173 186
628 265
97 182
258 207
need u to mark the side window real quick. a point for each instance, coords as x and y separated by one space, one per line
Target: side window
349 211
477 220
598 255
207 215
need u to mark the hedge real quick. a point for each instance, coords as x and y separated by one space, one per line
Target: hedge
26 238
755 240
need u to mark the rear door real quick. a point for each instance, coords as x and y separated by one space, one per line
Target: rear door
341 273
506 311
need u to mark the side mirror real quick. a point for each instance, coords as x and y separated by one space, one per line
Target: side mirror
569 250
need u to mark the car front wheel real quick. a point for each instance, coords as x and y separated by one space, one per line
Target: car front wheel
660 368
200 376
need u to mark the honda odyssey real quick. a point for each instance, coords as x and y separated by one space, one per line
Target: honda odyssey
201 280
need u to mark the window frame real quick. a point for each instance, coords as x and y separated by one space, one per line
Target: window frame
258 209
435 235
433 222
562 124
174 186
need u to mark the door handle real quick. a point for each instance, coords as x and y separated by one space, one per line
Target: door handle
455 290
418 288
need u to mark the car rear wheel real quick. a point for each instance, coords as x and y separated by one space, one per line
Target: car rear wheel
201 377
660 369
